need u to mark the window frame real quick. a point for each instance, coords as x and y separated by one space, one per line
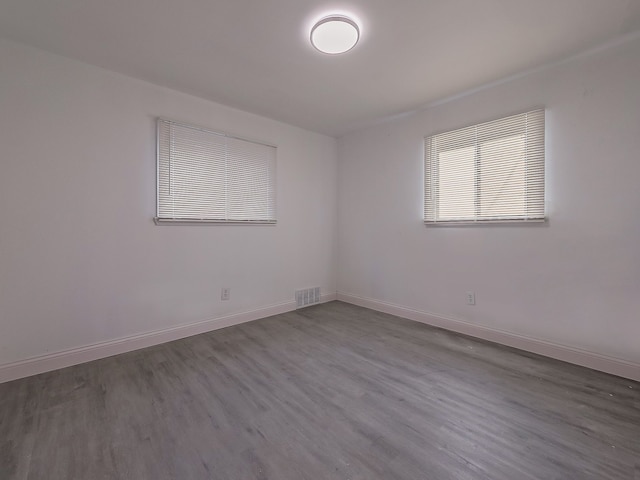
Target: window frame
515 221
163 221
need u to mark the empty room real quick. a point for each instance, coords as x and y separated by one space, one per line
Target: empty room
307 239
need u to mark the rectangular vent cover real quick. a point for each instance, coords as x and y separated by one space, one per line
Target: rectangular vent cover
307 296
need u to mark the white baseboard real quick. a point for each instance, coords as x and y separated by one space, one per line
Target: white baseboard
96 351
573 355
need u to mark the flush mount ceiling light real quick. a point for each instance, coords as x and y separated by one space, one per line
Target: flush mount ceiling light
335 34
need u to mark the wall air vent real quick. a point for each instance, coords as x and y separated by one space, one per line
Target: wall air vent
307 296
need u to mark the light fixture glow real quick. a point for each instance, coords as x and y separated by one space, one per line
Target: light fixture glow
335 34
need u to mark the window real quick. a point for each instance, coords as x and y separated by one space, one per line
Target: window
490 172
205 176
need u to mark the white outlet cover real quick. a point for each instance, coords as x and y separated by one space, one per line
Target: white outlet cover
471 298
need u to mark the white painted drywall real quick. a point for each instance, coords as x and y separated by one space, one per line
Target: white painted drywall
81 260
575 281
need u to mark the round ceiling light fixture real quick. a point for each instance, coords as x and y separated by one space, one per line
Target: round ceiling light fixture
335 34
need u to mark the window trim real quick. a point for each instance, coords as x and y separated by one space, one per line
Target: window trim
541 221
194 221
204 222
478 223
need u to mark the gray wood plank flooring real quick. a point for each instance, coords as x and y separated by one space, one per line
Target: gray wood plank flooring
333 391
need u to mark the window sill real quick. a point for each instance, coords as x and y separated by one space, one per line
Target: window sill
477 223
196 222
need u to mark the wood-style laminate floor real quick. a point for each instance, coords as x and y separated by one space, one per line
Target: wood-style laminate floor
333 391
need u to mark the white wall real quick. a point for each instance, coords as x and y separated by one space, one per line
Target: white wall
575 281
81 260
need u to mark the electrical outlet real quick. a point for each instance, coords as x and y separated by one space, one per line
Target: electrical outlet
471 298
225 294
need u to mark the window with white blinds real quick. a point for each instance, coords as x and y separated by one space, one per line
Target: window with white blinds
490 172
205 176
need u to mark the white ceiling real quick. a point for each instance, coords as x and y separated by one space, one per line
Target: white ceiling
255 54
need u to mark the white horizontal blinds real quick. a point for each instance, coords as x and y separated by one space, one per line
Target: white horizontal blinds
203 175
251 186
454 175
192 171
493 171
534 163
